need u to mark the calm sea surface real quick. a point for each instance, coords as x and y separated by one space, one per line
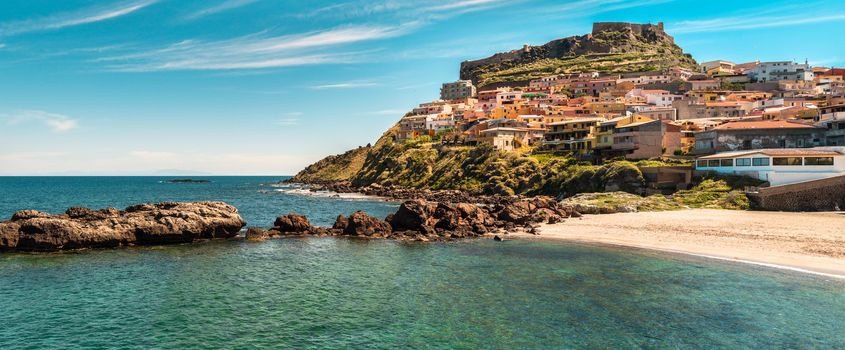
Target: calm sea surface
326 293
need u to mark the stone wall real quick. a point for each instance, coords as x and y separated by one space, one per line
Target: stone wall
818 195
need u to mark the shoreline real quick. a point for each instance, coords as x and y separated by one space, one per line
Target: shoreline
801 242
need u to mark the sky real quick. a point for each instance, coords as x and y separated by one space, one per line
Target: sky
266 87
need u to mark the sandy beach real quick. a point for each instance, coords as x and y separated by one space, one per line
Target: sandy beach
807 242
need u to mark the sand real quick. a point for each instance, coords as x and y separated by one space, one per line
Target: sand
806 242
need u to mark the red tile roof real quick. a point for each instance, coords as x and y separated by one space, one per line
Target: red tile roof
773 124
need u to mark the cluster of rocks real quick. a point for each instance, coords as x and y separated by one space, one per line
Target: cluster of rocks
144 224
404 193
424 221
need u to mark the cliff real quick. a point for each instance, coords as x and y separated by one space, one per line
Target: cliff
612 47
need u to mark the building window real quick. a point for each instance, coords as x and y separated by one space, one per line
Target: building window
787 161
702 163
712 163
743 161
760 161
818 160
727 162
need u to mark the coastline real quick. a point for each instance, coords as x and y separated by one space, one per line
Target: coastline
803 242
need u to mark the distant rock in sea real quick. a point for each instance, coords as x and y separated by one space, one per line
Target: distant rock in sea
176 181
143 224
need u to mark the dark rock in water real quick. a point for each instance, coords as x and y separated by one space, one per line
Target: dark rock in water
176 181
423 221
340 223
362 224
498 238
412 215
257 234
292 223
146 224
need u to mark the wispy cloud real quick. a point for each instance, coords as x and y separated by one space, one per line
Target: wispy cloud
462 4
750 22
424 10
391 112
221 7
56 122
2 45
287 122
344 85
258 51
69 19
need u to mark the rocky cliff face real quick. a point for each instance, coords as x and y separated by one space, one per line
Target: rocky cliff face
145 224
611 47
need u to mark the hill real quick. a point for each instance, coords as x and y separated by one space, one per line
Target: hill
612 47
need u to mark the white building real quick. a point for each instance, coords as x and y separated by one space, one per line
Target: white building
782 70
778 166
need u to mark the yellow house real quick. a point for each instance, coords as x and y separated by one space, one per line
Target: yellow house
604 130
606 107
576 135
719 71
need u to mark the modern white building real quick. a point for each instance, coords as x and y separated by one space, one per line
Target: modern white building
778 166
782 70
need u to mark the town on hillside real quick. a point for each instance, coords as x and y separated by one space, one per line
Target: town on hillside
777 121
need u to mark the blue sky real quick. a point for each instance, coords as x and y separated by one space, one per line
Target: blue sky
120 87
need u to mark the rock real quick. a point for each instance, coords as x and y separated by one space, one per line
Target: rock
147 224
362 224
257 234
88 214
340 223
517 212
292 223
498 238
447 217
412 215
29 214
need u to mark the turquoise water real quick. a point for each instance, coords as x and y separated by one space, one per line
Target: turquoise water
327 293
258 198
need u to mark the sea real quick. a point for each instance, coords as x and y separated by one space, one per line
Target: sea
339 293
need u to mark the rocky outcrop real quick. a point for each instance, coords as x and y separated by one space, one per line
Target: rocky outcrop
650 44
144 224
425 221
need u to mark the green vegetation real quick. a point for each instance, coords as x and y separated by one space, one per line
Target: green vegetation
709 193
422 163
335 168
605 63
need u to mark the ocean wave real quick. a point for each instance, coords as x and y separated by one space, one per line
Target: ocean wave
305 191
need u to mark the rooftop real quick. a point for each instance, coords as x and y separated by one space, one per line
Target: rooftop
780 152
773 124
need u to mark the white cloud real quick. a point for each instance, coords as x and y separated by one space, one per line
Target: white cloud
462 4
258 51
223 6
424 10
749 22
345 85
390 112
2 45
69 19
56 122
287 122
